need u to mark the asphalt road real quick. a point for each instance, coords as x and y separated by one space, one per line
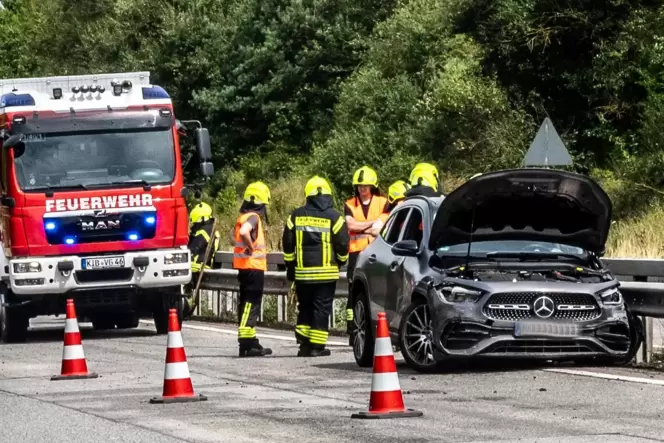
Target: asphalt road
282 398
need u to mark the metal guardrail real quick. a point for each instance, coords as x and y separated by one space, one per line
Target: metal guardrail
642 281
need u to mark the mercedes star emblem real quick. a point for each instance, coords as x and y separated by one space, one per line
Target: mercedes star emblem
544 307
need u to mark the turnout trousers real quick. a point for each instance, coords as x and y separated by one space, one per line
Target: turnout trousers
249 306
315 302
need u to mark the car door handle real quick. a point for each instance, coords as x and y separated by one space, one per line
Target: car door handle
372 258
393 265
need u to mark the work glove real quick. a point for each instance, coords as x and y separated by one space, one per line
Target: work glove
290 272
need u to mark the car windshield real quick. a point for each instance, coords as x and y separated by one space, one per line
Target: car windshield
510 247
96 158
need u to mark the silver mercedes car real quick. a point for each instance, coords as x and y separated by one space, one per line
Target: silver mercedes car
507 265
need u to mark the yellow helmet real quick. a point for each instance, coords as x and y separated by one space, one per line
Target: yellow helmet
423 178
365 176
428 167
317 186
397 190
258 192
201 212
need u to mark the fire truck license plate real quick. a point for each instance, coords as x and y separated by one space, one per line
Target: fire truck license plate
103 262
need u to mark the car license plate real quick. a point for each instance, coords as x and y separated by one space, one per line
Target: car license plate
545 329
103 263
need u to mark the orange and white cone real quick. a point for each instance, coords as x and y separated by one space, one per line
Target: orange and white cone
177 381
74 365
386 400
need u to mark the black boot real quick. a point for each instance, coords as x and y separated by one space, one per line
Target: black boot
254 350
305 351
319 351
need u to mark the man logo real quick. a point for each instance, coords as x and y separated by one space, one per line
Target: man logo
100 225
544 307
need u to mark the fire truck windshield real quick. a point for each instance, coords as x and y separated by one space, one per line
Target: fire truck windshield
96 158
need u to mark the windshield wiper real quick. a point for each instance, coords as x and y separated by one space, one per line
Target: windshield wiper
146 186
534 255
49 190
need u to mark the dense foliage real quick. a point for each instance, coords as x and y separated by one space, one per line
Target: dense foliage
300 86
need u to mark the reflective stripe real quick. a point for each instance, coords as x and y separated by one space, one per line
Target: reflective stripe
318 337
241 244
203 234
289 222
311 229
342 257
176 371
337 226
349 315
289 257
383 347
175 340
249 255
71 325
73 352
385 382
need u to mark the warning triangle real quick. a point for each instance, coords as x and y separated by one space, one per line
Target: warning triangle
547 149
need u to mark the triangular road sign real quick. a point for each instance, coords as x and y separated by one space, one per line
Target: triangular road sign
547 149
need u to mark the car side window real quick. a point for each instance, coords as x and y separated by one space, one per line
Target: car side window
414 228
392 234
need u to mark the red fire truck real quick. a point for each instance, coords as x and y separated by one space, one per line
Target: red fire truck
92 201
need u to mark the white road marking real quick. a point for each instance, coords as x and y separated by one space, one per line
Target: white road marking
234 332
603 375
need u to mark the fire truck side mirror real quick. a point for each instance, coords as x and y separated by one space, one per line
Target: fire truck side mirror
204 151
13 141
203 145
7 201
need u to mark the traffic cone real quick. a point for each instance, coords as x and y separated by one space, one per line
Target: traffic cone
74 365
386 400
177 382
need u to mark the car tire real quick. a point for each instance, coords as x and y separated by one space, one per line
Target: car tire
416 310
363 336
14 322
127 321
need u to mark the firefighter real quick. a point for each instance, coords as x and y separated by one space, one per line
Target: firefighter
365 213
250 259
201 221
315 242
425 180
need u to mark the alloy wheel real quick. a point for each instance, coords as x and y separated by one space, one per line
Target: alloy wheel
419 336
359 335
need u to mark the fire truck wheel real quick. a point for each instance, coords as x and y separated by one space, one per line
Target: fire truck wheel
127 321
14 322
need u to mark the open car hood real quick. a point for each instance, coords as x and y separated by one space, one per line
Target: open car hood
525 204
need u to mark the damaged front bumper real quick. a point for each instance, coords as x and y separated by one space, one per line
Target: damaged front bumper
457 333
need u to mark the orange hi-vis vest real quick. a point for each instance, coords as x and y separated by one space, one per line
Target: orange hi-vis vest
360 240
241 259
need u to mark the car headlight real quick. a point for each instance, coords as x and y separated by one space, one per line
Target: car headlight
611 297
459 294
26 267
179 257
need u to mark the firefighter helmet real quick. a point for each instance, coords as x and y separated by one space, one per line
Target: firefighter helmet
258 192
424 178
397 191
365 176
201 212
317 186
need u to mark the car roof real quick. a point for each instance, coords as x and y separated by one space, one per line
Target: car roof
432 202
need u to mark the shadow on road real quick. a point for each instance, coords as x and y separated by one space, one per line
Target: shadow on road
55 334
451 367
